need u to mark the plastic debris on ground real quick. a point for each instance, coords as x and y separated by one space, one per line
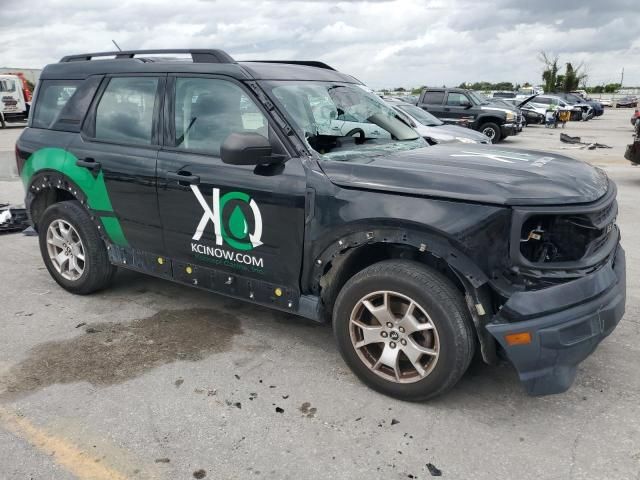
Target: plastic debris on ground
564 138
12 219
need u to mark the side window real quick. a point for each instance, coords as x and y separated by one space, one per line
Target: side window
7 85
457 99
208 110
542 100
433 98
125 111
52 96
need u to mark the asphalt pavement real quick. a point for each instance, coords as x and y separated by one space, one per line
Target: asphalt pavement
154 380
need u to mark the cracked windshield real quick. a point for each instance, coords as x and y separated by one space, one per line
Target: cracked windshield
344 121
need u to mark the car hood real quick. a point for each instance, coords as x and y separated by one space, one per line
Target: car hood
456 131
450 133
478 173
527 100
492 107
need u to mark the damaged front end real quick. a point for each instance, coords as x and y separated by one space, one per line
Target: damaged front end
563 293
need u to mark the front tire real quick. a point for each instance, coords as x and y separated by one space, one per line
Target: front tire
404 330
491 130
72 250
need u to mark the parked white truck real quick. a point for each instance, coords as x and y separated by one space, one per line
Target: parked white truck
15 100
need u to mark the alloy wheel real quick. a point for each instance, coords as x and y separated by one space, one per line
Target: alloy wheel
489 132
394 337
65 249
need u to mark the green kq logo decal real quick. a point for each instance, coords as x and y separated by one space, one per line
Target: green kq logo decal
234 231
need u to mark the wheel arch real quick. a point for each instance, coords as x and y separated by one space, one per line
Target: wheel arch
490 119
47 187
352 253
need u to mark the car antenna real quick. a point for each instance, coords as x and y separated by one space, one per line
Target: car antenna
117 46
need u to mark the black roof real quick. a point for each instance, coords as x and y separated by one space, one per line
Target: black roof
442 89
202 61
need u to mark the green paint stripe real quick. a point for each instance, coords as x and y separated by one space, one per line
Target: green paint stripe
65 162
114 230
94 188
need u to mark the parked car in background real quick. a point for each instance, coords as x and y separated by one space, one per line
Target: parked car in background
412 99
524 92
581 93
578 111
432 129
509 103
605 102
627 102
15 99
502 95
531 114
575 99
461 106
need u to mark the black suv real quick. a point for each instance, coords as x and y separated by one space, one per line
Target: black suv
460 106
237 178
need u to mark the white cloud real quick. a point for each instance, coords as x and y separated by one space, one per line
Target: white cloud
384 43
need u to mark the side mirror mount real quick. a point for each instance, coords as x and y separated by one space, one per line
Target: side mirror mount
467 105
248 148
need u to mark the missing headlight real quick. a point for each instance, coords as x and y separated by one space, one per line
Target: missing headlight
551 238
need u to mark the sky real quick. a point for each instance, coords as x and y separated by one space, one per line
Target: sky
385 44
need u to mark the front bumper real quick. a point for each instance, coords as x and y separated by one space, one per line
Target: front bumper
576 317
508 129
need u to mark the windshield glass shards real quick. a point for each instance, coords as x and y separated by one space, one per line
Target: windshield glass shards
343 121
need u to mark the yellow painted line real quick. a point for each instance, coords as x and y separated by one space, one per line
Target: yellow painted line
75 460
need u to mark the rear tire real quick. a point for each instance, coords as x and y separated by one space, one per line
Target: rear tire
72 250
428 347
492 131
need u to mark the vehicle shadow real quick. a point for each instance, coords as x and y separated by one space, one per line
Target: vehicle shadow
491 382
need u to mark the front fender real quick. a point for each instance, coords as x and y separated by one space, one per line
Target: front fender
352 237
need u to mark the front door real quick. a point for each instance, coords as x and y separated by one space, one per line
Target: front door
119 147
456 108
242 225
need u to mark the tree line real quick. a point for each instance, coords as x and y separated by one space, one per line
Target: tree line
555 78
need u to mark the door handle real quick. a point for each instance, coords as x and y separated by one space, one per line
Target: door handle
447 109
89 163
184 177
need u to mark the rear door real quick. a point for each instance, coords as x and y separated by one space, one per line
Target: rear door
237 229
432 101
118 148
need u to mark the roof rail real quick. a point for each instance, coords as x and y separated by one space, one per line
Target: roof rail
308 63
197 55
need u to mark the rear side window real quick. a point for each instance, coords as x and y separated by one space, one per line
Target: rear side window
433 98
125 111
53 95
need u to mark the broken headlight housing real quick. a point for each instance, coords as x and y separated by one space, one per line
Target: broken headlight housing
565 237
560 238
